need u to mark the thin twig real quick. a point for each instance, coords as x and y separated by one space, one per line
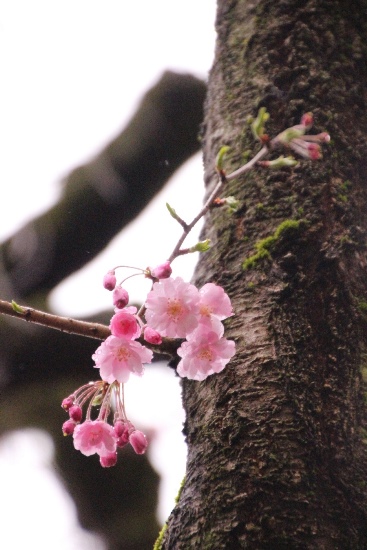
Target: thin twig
64 324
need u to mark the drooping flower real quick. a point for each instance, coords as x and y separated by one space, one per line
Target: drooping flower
99 436
205 352
116 358
172 307
94 436
124 325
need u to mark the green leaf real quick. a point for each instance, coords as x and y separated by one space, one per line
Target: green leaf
17 308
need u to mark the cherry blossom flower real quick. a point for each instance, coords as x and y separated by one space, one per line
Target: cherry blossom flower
116 358
173 307
214 305
205 352
98 436
124 325
94 436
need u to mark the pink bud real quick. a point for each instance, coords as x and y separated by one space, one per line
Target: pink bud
138 441
307 119
108 460
123 440
68 427
109 280
120 297
162 271
152 336
314 151
75 413
67 402
122 430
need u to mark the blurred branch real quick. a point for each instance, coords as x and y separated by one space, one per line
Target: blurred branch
104 195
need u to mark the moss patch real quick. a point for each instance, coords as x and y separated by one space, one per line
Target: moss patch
158 542
264 246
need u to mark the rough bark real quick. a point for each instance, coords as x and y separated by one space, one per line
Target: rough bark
277 442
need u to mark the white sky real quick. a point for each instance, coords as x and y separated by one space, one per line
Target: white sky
72 73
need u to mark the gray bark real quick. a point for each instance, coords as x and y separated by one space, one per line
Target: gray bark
277 441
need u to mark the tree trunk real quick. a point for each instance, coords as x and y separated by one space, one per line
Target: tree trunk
277 441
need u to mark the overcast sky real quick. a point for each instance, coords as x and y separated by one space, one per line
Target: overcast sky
72 73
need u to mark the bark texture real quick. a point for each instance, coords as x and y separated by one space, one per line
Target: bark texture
277 442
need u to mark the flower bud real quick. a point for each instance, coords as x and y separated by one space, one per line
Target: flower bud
152 336
120 297
68 427
162 271
67 402
307 120
75 413
138 441
108 460
109 280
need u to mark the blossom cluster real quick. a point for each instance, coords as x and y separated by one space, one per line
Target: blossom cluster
98 436
173 309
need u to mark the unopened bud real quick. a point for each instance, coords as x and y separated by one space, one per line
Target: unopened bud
108 460
120 297
75 413
307 120
152 336
109 280
138 441
258 125
162 271
68 427
202 246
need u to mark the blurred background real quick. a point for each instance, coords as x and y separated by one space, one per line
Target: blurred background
74 73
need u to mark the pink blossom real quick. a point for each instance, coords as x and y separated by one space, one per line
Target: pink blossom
152 336
109 280
214 302
138 441
173 307
120 297
204 353
94 437
108 460
162 271
124 325
117 358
